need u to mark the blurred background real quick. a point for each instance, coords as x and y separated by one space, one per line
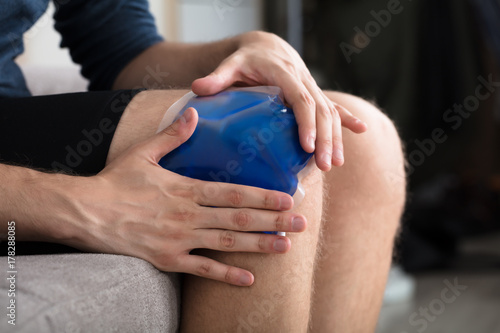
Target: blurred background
433 67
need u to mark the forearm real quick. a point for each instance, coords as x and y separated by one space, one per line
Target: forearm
55 207
170 65
135 207
35 201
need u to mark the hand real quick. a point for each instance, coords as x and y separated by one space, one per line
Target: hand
265 59
137 208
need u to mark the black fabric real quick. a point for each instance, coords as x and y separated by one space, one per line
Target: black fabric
68 132
40 132
34 248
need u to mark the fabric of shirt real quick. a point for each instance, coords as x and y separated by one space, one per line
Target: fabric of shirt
103 36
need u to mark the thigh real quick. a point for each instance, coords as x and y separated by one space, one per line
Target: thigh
279 299
141 118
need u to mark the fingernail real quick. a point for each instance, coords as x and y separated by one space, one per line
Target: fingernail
360 122
187 116
280 245
310 141
284 203
338 154
298 223
245 279
327 158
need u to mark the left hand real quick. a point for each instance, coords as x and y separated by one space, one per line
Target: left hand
266 59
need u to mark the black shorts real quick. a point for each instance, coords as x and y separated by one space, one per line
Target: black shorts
68 133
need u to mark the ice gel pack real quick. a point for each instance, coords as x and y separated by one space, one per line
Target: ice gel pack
244 136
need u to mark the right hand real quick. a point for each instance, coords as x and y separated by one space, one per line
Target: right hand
135 207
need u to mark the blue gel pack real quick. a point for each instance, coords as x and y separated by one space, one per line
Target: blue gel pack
244 136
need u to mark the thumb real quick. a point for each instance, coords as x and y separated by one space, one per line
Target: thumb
173 136
223 77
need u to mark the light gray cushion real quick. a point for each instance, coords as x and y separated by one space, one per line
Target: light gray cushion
86 292
90 293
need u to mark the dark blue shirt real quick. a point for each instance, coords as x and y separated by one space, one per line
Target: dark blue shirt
102 35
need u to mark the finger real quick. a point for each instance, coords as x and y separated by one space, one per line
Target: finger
232 241
251 220
337 145
211 269
221 78
172 136
304 108
325 114
337 142
349 121
215 194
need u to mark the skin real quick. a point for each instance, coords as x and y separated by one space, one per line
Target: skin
253 58
154 214
135 207
333 277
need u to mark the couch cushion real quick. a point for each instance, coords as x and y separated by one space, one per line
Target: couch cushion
91 293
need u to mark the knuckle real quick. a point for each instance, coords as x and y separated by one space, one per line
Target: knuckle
288 65
183 213
306 98
228 277
335 112
279 222
263 34
204 269
227 240
269 35
184 190
327 141
235 197
236 59
242 220
171 130
326 112
205 191
175 236
164 261
269 201
262 243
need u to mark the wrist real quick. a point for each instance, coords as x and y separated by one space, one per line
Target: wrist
38 203
216 52
255 36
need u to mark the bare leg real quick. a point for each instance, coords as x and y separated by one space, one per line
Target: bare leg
362 207
141 118
362 210
281 295
278 301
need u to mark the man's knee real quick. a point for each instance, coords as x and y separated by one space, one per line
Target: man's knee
375 156
377 121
